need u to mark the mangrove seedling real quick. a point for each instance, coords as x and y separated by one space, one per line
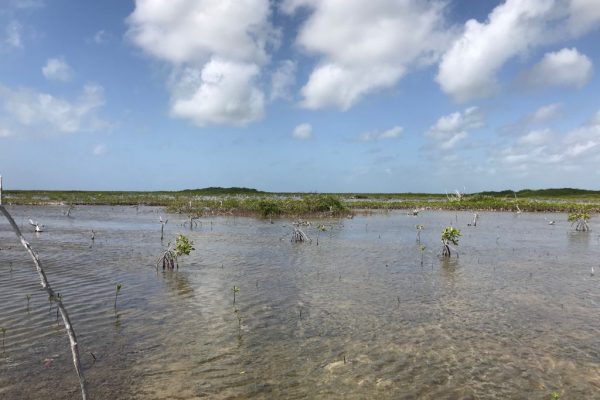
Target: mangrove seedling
422 253
28 299
419 229
450 235
162 226
183 247
3 330
117 290
235 290
579 220
475 218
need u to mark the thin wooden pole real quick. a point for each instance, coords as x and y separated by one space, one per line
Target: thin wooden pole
63 312
0 190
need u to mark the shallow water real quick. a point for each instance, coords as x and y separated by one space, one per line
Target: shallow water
356 316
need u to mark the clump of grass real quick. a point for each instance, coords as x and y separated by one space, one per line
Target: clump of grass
450 235
579 219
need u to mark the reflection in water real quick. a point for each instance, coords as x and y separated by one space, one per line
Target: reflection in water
358 316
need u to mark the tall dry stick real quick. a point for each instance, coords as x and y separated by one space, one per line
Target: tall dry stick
63 312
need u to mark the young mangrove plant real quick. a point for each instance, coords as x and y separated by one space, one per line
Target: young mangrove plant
3 330
450 235
117 290
422 248
579 220
419 228
235 290
28 299
162 227
183 247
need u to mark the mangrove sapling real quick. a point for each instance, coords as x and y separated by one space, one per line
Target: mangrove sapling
422 248
117 290
3 337
162 226
475 218
169 259
419 229
579 220
28 299
450 235
235 290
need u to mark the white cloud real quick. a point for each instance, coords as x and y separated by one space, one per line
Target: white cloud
468 69
542 150
211 41
222 92
391 133
566 67
535 138
545 113
13 35
365 46
585 15
99 149
283 80
451 129
57 69
27 111
303 132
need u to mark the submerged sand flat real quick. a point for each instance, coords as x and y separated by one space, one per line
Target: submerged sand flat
356 316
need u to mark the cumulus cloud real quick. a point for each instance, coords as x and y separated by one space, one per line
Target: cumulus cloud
365 46
223 92
451 129
303 132
210 41
566 67
468 69
391 133
26 111
283 80
57 69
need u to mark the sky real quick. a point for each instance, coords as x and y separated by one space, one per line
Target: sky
300 95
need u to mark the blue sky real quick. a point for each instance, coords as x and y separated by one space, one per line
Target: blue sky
300 95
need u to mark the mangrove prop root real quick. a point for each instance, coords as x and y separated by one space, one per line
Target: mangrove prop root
63 311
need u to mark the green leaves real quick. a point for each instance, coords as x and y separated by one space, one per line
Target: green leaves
450 235
580 215
183 246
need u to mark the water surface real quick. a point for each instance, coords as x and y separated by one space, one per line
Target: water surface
356 316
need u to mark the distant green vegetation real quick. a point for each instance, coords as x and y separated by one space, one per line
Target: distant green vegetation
252 202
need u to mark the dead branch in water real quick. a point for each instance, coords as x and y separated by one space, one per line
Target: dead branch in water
63 312
298 236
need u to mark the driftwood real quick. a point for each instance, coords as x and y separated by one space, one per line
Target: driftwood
298 236
57 299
